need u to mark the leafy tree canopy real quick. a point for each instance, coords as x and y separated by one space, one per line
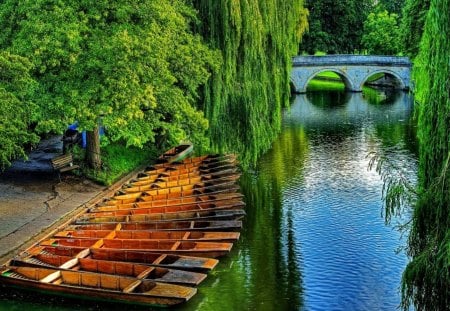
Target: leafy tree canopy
381 33
392 6
16 88
412 25
335 26
133 66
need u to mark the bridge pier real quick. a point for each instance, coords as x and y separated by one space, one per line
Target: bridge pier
354 70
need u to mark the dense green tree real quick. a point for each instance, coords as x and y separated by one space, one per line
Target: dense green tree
381 33
412 25
335 26
16 92
392 6
426 280
257 39
133 67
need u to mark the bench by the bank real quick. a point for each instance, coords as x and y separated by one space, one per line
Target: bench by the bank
63 163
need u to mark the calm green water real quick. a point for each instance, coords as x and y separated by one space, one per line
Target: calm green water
314 237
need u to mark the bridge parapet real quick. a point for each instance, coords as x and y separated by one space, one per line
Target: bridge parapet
353 69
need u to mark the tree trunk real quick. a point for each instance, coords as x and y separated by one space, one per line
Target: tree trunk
93 149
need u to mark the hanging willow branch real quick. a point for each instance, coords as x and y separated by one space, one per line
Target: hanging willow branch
398 192
257 39
426 280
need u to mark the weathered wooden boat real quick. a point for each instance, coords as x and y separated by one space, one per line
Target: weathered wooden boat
197 236
166 172
204 159
146 208
144 181
182 181
141 271
188 163
177 153
213 226
202 198
178 186
197 249
170 261
222 214
96 286
170 197
176 192
163 183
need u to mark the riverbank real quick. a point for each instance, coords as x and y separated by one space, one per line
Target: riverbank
34 204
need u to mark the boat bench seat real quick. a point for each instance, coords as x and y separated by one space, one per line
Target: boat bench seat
63 163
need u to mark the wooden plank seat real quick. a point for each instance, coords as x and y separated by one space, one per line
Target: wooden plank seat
63 163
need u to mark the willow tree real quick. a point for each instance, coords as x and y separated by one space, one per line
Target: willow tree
412 24
426 280
132 66
257 39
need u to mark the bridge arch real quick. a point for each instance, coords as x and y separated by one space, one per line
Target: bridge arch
403 84
344 77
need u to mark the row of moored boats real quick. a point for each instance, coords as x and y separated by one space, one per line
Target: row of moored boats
151 243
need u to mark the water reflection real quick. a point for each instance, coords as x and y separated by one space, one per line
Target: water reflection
330 203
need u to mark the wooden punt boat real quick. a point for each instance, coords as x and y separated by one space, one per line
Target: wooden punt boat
147 180
200 160
176 153
197 249
176 192
167 172
203 198
169 261
146 208
96 286
218 225
198 236
222 214
191 163
182 181
141 271
177 186
172 197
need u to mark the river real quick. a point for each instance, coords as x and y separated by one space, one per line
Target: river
314 237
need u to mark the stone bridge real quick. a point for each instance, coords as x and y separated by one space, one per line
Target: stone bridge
354 70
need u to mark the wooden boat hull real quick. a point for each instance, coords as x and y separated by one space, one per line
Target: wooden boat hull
141 271
176 153
171 176
171 261
96 286
171 201
197 249
148 208
193 236
217 225
175 192
201 215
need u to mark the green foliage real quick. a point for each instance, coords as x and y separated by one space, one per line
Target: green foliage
335 26
257 39
412 25
16 91
381 33
426 280
392 6
119 160
398 191
136 67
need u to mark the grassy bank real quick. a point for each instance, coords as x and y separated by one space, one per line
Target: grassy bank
331 81
118 160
